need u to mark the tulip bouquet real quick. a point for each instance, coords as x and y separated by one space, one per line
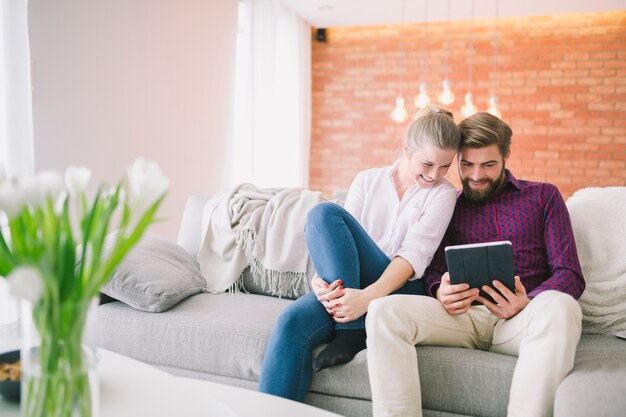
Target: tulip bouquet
57 251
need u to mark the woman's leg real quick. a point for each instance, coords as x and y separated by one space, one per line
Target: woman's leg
286 370
341 249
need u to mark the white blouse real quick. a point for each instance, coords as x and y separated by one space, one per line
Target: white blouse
412 227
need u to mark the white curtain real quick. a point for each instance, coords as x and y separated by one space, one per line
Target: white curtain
273 96
16 126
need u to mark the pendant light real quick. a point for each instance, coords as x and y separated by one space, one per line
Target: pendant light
446 97
493 101
422 99
399 113
468 108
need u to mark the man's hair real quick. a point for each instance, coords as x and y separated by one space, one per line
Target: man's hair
433 125
484 129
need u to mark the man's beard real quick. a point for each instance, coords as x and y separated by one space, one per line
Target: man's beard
482 195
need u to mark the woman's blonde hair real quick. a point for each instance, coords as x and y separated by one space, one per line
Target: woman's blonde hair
434 125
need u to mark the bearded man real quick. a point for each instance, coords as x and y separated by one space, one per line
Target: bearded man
540 322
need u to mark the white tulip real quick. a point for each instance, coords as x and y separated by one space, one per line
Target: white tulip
146 181
51 183
76 179
3 174
37 189
31 190
26 282
12 199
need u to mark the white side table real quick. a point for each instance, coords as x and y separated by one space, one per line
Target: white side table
132 388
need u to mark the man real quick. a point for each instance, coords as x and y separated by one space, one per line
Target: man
540 322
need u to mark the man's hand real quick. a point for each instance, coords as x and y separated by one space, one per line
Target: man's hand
326 293
456 299
508 304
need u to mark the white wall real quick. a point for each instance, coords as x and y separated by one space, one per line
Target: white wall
116 79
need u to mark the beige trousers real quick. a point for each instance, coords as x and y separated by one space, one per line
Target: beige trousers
543 336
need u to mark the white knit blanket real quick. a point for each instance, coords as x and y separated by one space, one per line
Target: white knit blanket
599 221
260 228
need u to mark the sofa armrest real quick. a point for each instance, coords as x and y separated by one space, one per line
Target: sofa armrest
190 232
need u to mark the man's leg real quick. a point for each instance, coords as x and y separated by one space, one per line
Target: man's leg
395 324
544 336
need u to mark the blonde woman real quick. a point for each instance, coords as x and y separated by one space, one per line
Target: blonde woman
379 243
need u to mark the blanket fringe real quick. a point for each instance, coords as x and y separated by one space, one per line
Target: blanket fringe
277 283
288 284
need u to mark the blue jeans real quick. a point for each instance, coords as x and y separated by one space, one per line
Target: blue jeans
340 249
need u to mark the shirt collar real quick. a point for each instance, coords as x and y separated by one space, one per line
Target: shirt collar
393 168
509 178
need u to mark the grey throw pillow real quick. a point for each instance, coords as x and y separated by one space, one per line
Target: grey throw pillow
155 275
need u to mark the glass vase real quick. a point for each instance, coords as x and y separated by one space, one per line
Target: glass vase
58 370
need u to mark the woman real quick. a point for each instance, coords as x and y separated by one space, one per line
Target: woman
380 243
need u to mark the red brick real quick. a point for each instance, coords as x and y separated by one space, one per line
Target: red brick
613 164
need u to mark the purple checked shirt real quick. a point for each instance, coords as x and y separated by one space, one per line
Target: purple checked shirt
533 216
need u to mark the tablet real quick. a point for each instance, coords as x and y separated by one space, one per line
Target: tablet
479 264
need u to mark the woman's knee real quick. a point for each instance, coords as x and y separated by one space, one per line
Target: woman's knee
321 212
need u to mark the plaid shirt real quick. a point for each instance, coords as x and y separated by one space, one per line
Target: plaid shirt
533 216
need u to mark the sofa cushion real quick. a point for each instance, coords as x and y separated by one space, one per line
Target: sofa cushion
480 380
155 275
219 334
599 226
597 384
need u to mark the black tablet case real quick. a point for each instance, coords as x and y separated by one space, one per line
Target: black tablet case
480 265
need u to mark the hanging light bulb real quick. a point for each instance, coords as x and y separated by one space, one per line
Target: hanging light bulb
422 100
399 113
493 107
468 108
493 101
446 97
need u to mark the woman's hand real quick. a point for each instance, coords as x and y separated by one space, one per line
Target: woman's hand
456 299
326 293
352 305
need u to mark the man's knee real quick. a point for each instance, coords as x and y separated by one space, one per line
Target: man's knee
388 315
560 309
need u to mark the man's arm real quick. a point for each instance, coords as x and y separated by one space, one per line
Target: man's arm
565 272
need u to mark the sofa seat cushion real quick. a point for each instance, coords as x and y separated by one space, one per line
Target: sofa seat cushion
597 385
222 334
479 380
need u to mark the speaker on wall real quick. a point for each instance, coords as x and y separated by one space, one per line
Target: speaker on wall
320 35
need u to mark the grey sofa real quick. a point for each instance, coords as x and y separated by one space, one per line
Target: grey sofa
222 338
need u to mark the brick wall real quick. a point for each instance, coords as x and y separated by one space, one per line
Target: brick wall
561 84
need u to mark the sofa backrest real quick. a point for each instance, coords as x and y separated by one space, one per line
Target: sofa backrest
599 221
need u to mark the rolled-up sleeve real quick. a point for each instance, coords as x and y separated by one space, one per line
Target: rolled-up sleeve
425 235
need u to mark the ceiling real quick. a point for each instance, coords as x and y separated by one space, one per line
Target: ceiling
334 13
